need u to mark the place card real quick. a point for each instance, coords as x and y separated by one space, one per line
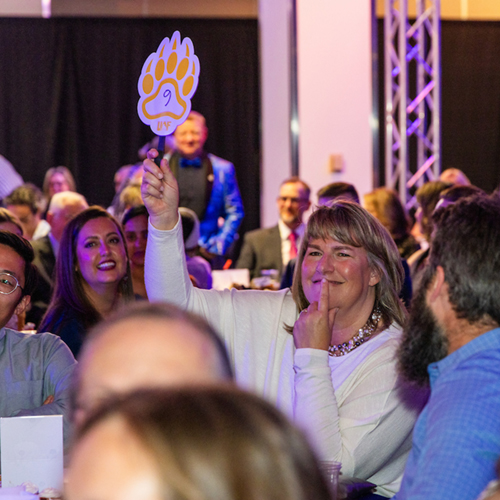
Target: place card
32 450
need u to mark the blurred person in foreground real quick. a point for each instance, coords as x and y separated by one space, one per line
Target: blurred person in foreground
36 370
146 346
324 353
192 444
452 342
92 276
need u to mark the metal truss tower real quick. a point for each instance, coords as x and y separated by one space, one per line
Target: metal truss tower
412 96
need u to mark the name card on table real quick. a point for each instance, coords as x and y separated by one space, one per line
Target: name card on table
32 450
225 278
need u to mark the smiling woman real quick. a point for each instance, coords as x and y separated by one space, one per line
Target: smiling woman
92 276
325 353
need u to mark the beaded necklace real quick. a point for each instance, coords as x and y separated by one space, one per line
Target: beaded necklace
364 333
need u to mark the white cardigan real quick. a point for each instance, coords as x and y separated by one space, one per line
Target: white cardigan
354 409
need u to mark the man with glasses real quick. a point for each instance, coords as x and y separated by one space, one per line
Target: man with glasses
273 247
36 370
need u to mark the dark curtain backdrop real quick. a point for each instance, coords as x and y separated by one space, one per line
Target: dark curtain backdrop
68 90
470 55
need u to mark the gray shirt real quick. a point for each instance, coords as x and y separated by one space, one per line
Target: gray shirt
32 368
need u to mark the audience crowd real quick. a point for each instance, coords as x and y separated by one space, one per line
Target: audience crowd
380 350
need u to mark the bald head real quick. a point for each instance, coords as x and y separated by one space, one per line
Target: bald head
151 345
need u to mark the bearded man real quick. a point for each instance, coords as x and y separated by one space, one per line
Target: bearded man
452 342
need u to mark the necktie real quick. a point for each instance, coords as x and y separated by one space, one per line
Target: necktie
293 245
196 163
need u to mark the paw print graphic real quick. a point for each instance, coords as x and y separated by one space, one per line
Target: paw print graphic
167 83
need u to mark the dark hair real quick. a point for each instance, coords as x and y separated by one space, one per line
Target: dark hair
24 249
338 190
427 197
134 212
349 223
188 224
389 211
294 180
8 216
466 244
217 443
69 293
454 193
161 312
27 194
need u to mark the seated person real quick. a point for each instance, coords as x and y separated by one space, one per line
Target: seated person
427 197
36 369
273 247
28 204
58 180
63 207
336 191
198 268
135 229
384 204
324 352
92 276
454 176
432 196
452 343
192 443
10 222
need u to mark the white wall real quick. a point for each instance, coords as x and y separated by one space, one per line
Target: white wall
334 85
334 80
275 103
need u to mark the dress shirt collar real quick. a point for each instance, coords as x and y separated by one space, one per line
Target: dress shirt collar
285 231
485 342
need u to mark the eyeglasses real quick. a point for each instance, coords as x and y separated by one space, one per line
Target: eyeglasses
295 201
9 284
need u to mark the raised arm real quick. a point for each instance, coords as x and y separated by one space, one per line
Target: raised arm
160 193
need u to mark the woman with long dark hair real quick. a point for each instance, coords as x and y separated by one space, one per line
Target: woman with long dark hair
92 276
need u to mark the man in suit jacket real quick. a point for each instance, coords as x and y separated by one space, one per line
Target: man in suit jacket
272 248
63 207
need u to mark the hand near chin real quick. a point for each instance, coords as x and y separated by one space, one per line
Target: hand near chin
160 192
313 328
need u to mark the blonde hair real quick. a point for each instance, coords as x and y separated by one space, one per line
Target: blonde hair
349 223
61 169
218 443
